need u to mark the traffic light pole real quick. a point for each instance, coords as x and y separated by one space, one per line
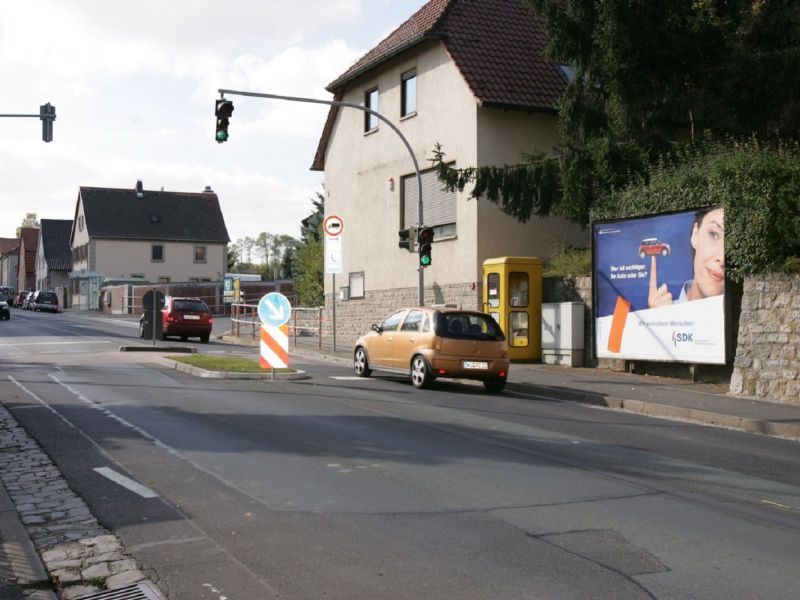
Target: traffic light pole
47 113
382 118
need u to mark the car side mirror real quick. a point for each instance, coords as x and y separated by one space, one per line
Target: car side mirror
376 328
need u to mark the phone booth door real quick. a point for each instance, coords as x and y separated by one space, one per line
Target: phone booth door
513 297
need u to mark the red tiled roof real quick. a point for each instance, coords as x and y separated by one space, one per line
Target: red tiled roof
497 45
8 244
418 27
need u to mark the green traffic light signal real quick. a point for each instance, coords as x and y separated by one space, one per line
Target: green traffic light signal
425 240
223 110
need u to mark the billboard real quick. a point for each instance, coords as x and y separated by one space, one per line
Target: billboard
659 287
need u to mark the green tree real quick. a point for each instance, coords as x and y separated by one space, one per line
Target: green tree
647 76
30 220
308 278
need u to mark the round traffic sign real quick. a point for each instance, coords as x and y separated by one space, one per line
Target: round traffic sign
333 225
274 309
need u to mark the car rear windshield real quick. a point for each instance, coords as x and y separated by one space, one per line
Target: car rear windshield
468 326
47 296
190 305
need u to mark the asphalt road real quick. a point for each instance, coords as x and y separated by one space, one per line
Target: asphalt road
341 488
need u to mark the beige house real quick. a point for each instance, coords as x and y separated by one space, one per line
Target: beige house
471 76
144 236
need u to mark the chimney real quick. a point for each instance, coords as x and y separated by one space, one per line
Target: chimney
139 189
208 190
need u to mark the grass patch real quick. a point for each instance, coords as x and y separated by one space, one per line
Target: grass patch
228 364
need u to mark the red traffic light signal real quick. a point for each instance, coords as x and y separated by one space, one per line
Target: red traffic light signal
425 240
223 111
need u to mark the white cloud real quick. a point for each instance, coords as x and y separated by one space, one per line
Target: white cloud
134 85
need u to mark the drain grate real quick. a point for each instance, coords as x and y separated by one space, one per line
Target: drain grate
141 591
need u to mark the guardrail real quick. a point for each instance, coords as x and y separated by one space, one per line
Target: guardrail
303 322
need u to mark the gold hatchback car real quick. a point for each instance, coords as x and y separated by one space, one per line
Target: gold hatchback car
431 342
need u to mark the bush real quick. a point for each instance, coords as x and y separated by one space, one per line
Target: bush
757 184
566 261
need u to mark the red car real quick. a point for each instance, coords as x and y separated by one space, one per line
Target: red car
184 318
652 247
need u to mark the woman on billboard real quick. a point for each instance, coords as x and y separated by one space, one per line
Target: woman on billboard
708 262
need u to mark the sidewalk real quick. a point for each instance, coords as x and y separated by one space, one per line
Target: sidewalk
663 397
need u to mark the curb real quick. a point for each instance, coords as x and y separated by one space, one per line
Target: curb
26 565
206 374
175 349
667 411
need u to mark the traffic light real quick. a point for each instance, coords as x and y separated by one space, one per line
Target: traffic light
425 239
47 113
223 112
408 239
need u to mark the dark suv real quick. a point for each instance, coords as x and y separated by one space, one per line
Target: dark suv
5 312
44 301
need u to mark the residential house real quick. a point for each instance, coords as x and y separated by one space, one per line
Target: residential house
26 268
53 255
9 257
471 76
145 236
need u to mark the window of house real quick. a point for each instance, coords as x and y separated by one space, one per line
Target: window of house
371 102
137 275
157 253
163 280
408 100
80 223
199 279
357 285
440 205
199 254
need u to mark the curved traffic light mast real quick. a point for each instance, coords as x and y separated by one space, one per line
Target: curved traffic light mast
375 113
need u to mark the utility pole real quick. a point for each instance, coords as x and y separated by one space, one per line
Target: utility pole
47 114
379 116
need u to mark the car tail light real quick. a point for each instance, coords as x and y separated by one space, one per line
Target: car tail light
441 371
210 319
172 319
502 373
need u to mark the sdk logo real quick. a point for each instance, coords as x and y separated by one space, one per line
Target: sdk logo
679 337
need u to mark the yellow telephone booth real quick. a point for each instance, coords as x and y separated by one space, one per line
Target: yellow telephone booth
512 294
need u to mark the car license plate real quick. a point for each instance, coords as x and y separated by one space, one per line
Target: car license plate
475 364
191 317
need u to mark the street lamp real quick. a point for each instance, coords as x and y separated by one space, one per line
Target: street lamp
379 116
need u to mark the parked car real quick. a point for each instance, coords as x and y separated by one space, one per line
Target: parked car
184 318
10 293
430 342
652 246
25 300
42 301
5 311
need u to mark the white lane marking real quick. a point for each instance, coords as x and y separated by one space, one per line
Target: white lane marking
56 343
351 378
158 443
126 482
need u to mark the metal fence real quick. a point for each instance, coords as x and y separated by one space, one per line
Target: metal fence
303 322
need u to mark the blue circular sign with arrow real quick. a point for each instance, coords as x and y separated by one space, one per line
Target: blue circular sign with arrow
274 309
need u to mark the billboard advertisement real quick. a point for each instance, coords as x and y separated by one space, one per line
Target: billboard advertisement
660 287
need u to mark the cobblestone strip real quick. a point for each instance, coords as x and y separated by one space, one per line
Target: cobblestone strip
80 555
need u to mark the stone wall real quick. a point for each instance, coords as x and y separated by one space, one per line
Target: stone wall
767 364
355 317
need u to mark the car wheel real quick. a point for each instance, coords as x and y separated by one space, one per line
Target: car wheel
494 385
664 252
420 373
360 363
641 254
203 339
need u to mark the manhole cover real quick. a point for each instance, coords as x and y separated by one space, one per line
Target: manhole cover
143 590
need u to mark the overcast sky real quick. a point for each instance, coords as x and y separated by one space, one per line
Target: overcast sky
134 84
